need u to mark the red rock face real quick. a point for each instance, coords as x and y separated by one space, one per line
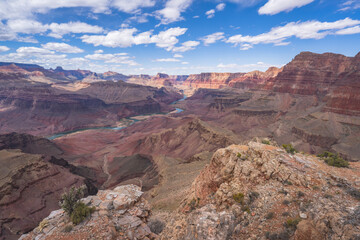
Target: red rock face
333 75
210 80
254 79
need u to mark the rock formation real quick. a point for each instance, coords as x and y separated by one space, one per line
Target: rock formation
210 80
121 213
259 191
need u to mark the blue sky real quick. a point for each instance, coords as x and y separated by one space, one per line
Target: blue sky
174 36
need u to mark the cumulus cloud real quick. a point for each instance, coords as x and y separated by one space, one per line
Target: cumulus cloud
178 56
212 38
220 6
276 6
186 46
172 11
210 13
347 31
58 30
62 47
4 49
23 9
26 26
167 60
121 58
302 30
126 38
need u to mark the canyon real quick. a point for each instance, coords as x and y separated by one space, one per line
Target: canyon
118 130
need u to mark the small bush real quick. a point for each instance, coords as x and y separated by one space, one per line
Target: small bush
292 222
300 194
270 215
156 226
286 202
283 191
194 203
287 182
239 198
253 196
334 160
316 188
68 228
267 142
289 148
80 212
69 200
238 155
285 214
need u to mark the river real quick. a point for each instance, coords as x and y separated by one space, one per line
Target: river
130 121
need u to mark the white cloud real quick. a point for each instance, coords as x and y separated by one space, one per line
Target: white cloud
220 6
172 11
303 30
346 31
33 50
126 38
167 60
186 46
58 30
184 63
98 51
26 26
245 3
24 9
210 13
62 47
132 5
234 67
4 49
350 5
121 58
212 38
178 56
276 6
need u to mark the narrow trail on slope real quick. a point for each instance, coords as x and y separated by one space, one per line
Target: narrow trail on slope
105 169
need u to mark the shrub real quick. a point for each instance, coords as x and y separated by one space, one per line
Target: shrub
239 198
292 222
238 155
283 191
270 215
289 148
156 226
68 228
333 159
80 212
253 196
316 188
194 203
287 182
286 202
267 142
300 194
245 208
69 200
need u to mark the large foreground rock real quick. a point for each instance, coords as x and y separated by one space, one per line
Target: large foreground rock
120 213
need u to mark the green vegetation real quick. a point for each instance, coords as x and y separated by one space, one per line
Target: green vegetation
68 228
239 198
267 142
289 148
194 203
286 202
333 159
238 155
270 215
253 196
69 200
287 182
72 205
245 208
292 222
81 211
300 194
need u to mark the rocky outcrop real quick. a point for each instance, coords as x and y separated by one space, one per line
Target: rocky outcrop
259 191
30 188
121 213
331 75
254 79
210 80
